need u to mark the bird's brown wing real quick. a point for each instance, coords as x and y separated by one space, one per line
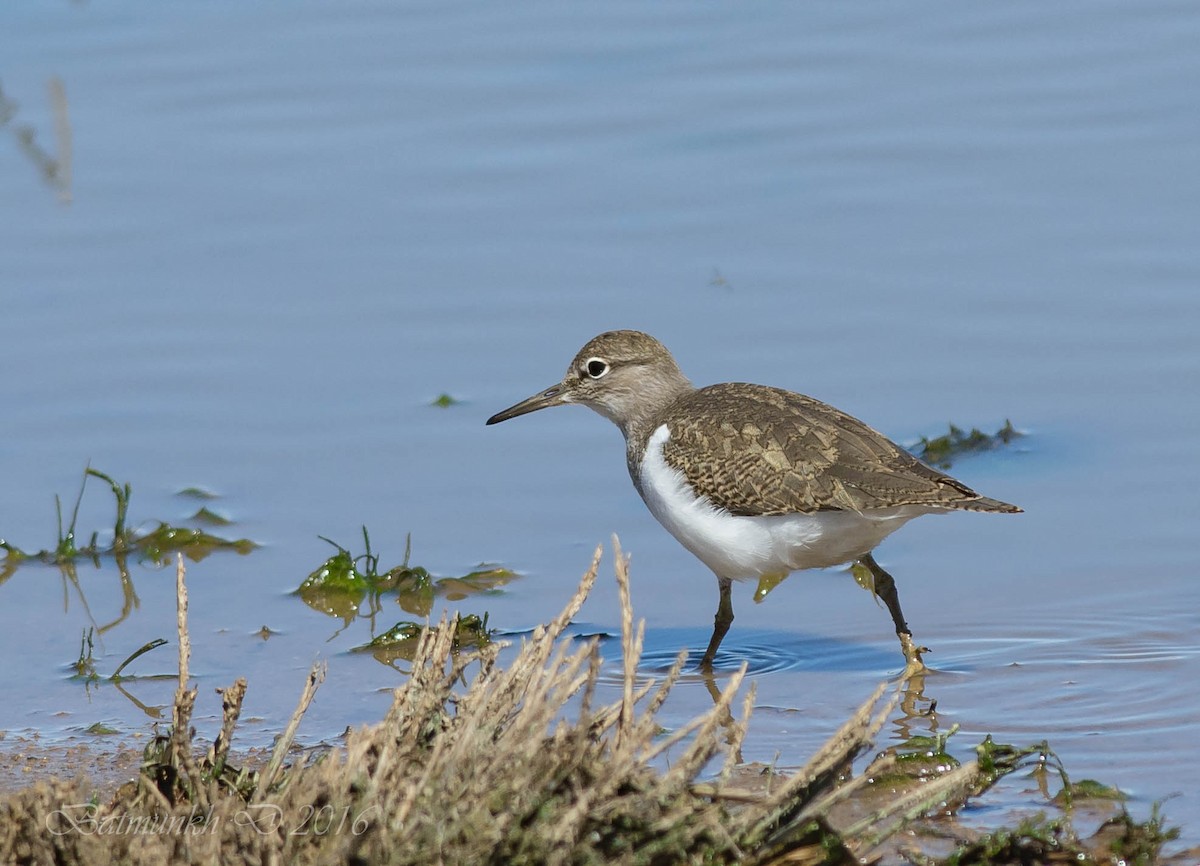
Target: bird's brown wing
755 450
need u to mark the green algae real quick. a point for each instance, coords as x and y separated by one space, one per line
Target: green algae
943 450
348 585
155 545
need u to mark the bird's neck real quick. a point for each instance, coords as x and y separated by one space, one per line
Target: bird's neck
659 394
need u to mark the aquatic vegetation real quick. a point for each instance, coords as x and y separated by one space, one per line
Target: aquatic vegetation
213 518
347 586
479 763
1053 840
922 756
194 492
85 665
401 641
943 450
155 545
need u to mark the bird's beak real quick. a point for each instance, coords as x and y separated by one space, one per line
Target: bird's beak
550 397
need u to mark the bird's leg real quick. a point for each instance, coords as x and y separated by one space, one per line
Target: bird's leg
885 588
720 622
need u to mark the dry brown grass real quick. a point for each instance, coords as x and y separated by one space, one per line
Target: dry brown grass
478 763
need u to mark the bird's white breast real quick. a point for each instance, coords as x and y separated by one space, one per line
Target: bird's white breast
736 546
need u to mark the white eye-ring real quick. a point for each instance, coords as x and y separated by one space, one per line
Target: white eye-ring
595 367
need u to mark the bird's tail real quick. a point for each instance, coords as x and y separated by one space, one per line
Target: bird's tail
986 503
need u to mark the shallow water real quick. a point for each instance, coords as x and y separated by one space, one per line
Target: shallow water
289 231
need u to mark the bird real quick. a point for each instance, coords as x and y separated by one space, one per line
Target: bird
755 481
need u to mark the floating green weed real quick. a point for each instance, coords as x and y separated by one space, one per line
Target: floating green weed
212 518
197 493
1087 789
346 585
1034 840
1138 844
943 450
923 756
918 777
1040 839
444 401
401 640
156 544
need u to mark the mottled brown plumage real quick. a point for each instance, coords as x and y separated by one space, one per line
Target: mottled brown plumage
756 450
754 480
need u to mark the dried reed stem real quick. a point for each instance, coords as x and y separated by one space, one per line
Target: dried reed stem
181 623
631 646
231 709
316 676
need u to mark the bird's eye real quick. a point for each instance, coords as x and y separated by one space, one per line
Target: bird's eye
595 367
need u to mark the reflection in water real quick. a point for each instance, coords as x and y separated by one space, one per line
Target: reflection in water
129 598
770 652
153 712
401 641
733 731
913 715
157 545
918 713
55 168
350 587
85 669
154 546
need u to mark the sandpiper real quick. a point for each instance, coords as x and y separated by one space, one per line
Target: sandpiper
755 481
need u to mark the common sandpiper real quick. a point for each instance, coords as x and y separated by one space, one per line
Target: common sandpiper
755 481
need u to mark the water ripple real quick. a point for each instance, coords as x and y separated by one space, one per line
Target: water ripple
763 652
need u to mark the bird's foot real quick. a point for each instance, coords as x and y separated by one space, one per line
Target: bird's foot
914 664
